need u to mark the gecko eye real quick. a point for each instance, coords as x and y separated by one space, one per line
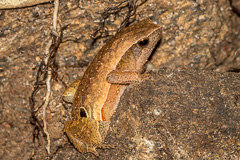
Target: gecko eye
83 112
143 42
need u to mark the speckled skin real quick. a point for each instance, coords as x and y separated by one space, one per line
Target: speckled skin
118 64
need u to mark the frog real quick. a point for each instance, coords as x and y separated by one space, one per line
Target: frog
95 97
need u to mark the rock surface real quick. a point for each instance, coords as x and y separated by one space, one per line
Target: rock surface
181 114
196 34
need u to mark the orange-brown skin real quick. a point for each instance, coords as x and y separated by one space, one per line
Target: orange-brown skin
118 64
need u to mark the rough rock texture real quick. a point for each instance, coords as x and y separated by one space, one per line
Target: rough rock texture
236 5
198 34
5 4
181 114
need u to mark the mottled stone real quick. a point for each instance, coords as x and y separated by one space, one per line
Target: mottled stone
196 34
236 5
182 114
